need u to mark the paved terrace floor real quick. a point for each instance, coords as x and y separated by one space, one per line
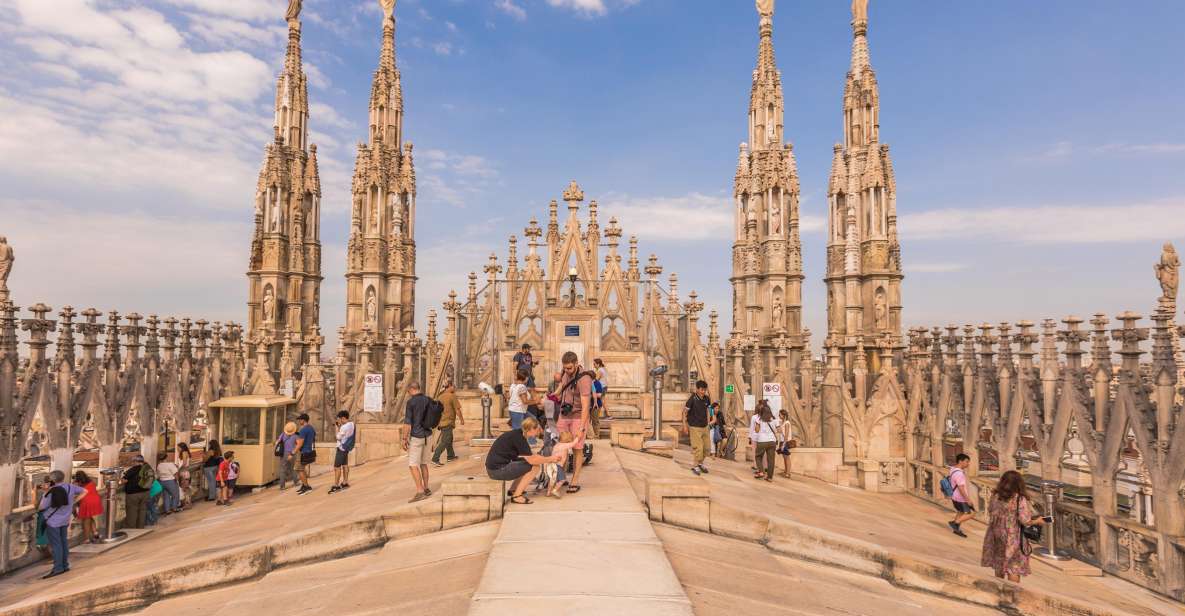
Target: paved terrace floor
897 522
207 530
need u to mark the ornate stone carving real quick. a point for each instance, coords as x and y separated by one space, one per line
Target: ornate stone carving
1167 273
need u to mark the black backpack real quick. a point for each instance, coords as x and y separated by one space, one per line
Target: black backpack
434 413
58 497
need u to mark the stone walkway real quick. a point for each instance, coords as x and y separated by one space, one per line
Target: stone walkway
254 519
588 553
896 522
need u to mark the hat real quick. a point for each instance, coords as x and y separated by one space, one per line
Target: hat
290 428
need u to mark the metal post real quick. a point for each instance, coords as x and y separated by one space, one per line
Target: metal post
110 485
657 385
1052 492
485 416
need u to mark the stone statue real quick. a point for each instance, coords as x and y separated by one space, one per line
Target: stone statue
275 213
293 10
1167 272
371 306
374 215
775 215
859 10
765 8
388 7
269 304
6 259
880 310
778 311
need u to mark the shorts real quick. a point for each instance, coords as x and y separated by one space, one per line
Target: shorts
303 459
418 451
510 472
341 458
572 425
963 507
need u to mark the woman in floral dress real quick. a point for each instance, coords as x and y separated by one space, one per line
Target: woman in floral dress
1005 549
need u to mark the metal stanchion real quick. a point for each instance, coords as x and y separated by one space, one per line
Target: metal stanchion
110 485
486 403
1052 492
656 442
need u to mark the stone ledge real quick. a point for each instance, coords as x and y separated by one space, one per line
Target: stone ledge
244 564
682 502
677 502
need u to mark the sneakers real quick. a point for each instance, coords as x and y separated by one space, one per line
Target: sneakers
437 463
956 530
345 486
304 490
703 469
335 489
453 459
696 470
418 497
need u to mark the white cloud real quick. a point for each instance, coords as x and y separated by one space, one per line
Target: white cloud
1066 149
252 10
700 216
320 113
443 48
587 8
1151 221
225 31
512 9
452 178
934 268
126 261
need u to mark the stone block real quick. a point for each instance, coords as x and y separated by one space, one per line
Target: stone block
868 475
624 429
471 500
683 502
413 520
822 463
671 434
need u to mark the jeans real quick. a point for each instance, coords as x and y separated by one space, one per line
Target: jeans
153 512
171 494
59 544
210 472
287 471
445 444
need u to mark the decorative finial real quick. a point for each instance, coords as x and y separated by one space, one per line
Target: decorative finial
293 10
765 8
388 7
860 10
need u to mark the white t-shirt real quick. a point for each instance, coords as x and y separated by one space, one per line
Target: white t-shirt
344 432
603 376
764 431
516 404
166 471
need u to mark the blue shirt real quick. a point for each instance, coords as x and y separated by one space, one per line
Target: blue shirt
57 517
310 438
289 441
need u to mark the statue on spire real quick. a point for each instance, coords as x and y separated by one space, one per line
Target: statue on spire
388 7
293 10
765 8
859 10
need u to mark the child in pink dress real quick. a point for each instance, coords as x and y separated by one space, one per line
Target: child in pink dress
563 449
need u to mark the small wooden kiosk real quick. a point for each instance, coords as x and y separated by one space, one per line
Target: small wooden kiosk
248 425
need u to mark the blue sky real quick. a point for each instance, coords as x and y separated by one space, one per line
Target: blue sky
1038 145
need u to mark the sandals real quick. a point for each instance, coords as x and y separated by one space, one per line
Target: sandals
521 499
573 489
759 475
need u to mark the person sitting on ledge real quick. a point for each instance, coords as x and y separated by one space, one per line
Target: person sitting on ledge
510 459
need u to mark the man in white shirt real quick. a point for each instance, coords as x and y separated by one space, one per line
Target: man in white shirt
341 457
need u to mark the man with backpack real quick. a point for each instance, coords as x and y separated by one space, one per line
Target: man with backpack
137 482
341 455
56 506
695 426
954 485
575 410
422 415
305 453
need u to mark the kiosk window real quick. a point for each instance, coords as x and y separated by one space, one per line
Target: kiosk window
240 426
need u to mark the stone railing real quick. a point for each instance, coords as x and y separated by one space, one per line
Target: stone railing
1046 405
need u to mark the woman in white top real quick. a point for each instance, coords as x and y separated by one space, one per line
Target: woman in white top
166 474
518 399
764 428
